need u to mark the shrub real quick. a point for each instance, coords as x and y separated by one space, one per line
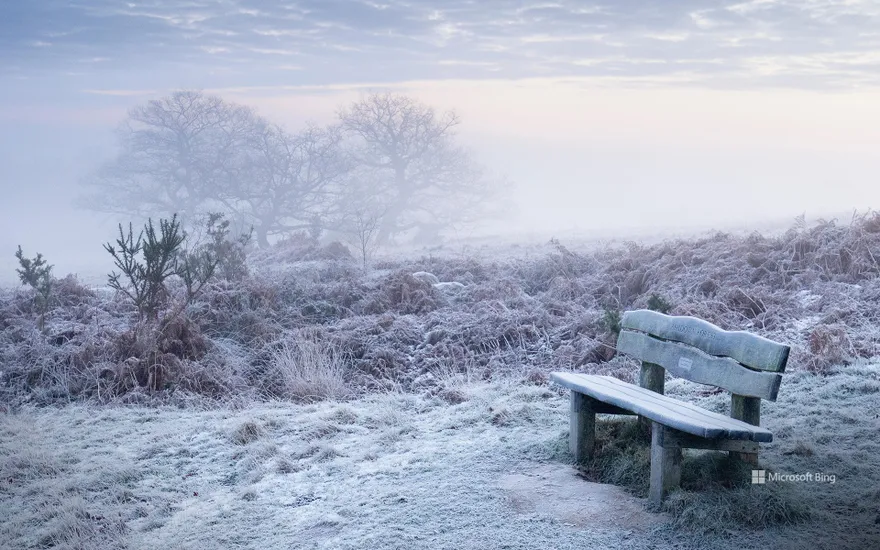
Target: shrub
829 346
146 279
154 351
35 273
403 293
611 319
658 303
747 304
70 292
231 255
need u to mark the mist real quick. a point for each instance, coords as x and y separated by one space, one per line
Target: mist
592 161
696 117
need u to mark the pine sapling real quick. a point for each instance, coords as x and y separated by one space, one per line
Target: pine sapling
611 319
230 253
196 269
38 275
146 277
658 303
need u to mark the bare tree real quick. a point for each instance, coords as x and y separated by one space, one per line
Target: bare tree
195 153
174 154
362 225
418 173
287 181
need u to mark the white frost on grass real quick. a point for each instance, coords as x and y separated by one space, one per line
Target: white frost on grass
804 323
450 286
425 277
388 471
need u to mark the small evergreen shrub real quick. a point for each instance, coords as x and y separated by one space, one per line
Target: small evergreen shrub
146 263
154 351
37 274
231 254
658 303
611 319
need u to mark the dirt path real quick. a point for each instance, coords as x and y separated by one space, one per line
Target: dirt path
558 491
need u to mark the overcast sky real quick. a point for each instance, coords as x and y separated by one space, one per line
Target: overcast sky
606 114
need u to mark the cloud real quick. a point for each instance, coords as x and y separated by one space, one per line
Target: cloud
546 38
121 93
669 37
760 42
273 51
214 49
751 6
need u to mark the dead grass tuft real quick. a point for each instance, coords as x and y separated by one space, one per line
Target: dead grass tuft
308 368
801 449
403 293
247 433
343 415
829 346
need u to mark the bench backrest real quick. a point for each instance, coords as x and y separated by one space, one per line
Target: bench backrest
744 364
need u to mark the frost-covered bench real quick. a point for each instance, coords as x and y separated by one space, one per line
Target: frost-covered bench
746 365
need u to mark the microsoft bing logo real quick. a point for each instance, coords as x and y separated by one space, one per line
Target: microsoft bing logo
761 477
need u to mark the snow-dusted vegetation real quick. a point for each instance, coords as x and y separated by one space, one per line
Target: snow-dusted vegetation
311 403
491 311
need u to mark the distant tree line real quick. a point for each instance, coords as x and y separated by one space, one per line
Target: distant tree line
388 163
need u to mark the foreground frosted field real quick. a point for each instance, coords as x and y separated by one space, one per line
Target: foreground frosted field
398 471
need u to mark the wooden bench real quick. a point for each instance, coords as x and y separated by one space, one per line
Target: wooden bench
747 365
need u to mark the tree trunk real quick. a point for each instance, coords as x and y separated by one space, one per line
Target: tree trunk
391 216
262 236
386 229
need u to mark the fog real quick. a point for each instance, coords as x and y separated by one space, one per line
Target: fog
596 139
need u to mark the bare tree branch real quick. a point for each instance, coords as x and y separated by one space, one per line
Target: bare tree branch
406 152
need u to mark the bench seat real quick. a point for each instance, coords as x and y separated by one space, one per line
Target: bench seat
682 416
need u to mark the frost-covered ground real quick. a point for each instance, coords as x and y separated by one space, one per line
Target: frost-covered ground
396 470
434 425
390 471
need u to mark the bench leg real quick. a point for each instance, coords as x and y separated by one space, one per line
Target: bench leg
748 458
651 377
747 409
582 427
665 465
